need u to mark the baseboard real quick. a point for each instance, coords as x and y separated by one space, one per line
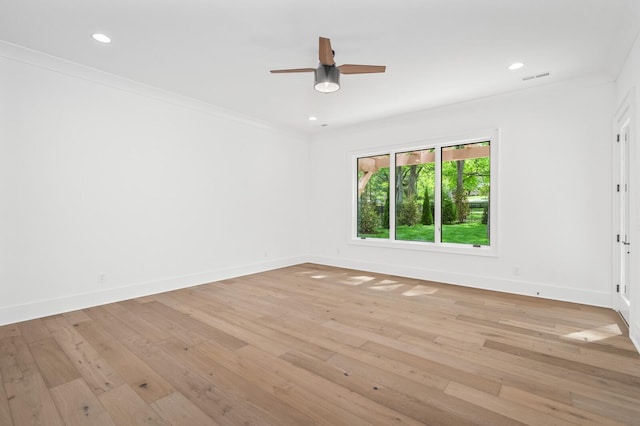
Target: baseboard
524 288
46 307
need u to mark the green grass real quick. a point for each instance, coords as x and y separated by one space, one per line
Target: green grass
465 233
460 233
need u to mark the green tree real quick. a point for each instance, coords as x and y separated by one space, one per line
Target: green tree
427 211
448 209
462 204
385 212
412 180
408 212
368 220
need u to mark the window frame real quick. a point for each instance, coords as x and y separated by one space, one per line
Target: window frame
490 136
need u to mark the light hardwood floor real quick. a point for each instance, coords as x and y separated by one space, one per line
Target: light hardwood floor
312 344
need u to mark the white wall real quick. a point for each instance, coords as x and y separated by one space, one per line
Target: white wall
628 81
99 175
554 192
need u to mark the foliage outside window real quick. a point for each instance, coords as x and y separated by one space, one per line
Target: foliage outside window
437 195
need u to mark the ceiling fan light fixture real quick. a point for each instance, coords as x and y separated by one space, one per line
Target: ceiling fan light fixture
327 79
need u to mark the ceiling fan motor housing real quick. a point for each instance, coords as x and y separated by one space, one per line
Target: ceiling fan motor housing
327 78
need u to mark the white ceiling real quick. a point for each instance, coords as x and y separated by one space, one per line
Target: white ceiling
437 52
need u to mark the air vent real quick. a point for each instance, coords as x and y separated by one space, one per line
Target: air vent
533 77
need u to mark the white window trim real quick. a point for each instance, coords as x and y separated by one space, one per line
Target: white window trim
491 135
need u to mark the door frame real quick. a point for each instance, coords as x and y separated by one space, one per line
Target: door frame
624 117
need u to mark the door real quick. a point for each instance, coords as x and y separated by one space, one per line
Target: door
623 213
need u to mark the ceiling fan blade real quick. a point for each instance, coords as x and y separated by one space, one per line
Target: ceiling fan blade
294 70
361 69
325 52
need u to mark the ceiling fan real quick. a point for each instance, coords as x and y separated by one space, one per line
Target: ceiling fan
327 74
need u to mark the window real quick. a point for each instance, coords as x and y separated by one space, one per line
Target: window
415 185
373 196
439 196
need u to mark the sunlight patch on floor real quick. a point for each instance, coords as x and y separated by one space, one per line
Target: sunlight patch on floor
386 287
357 280
419 290
595 334
318 277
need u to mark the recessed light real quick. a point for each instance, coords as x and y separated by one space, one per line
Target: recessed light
101 38
312 118
515 66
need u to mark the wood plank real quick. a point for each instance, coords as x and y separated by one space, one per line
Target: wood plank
614 409
211 400
75 317
34 330
175 409
247 331
362 406
550 333
373 387
517 412
393 349
92 367
420 402
553 408
15 359
193 325
9 330
307 330
630 380
55 366
263 337
55 322
118 321
241 392
469 373
28 396
30 402
536 371
539 374
317 399
126 407
79 406
148 384
5 412
168 326
417 371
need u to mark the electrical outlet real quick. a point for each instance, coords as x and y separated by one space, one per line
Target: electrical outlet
102 278
516 270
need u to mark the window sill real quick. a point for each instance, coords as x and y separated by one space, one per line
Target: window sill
462 249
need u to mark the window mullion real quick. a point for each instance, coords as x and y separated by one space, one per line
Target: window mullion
437 220
392 196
